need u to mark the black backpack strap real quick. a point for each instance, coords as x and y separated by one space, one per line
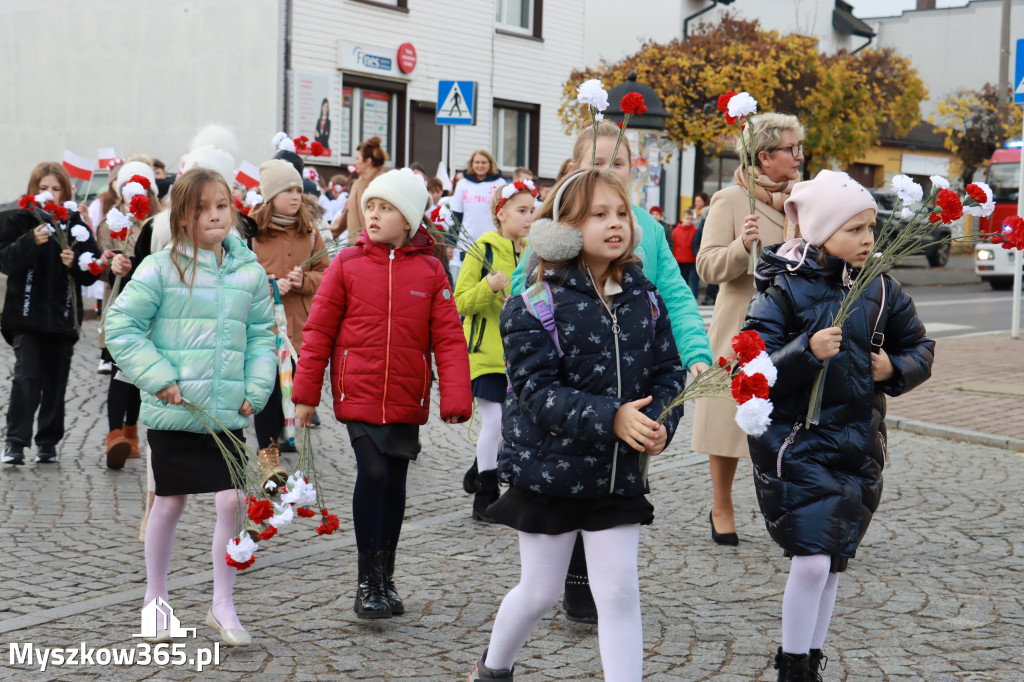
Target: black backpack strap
878 335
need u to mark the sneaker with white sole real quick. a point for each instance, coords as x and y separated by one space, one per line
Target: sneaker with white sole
47 454
13 454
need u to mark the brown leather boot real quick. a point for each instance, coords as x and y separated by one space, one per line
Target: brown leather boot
118 449
132 434
270 463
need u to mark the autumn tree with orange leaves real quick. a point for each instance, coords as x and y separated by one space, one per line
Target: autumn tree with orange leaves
844 100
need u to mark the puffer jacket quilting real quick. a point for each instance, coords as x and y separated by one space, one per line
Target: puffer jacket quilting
818 489
215 341
558 418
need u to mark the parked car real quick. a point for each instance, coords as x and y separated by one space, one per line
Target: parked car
936 253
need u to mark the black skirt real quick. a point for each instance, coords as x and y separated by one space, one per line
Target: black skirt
491 387
395 440
532 512
187 463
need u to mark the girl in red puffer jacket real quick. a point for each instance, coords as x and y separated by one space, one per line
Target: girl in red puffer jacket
387 292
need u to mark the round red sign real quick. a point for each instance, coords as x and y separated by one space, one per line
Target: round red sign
406 57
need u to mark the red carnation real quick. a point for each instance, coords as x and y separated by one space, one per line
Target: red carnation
139 206
142 180
952 208
57 210
259 511
1013 238
620 124
300 142
317 149
748 345
96 268
238 203
722 362
633 104
746 386
329 524
245 210
26 201
268 533
305 513
239 565
723 106
977 193
120 235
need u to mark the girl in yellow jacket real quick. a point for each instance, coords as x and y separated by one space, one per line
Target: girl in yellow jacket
479 298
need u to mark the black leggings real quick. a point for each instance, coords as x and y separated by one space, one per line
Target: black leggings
123 403
269 421
378 501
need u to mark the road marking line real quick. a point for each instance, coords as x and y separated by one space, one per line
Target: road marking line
939 327
964 301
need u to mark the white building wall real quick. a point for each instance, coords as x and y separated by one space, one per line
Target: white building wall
456 40
952 48
141 77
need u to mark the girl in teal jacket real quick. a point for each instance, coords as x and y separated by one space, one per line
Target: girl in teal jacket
195 323
479 298
660 267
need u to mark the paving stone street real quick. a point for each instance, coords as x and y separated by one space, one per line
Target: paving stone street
934 593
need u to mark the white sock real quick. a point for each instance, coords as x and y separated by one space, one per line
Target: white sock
825 606
804 588
615 584
228 503
489 442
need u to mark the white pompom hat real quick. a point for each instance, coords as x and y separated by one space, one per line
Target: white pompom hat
126 171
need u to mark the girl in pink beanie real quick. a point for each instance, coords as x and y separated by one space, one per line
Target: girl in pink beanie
819 487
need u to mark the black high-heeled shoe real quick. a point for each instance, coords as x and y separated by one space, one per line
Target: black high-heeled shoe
730 539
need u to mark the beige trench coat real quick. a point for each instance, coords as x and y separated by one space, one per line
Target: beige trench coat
723 260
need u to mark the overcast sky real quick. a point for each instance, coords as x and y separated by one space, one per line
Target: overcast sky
881 8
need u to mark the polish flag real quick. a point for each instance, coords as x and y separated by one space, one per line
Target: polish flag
248 175
78 166
107 157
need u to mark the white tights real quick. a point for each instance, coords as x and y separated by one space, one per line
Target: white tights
489 442
614 581
163 521
807 603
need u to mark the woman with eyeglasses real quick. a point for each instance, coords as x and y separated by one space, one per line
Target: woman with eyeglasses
729 234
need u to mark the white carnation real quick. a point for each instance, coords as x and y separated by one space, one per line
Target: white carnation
939 182
244 550
762 364
592 92
742 105
985 209
299 493
70 205
253 198
278 138
44 197
286 145
906 189
116 220
284 516
85 260
80 232
906 213
754 416
131 189
598 117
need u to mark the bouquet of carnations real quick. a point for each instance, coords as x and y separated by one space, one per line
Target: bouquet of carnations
739 110
297 494
135 193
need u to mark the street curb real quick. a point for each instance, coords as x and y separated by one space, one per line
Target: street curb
953 433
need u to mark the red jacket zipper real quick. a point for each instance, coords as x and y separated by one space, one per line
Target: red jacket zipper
387 349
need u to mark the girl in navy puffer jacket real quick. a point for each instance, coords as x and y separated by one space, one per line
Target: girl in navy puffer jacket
591 361
818 488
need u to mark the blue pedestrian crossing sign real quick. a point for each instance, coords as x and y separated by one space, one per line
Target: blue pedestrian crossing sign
1018 80
456 103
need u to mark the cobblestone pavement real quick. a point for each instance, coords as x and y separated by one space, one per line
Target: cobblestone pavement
934 594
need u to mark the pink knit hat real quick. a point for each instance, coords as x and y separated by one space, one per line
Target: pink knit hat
823 205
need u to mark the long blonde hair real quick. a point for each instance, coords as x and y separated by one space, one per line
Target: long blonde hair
188 195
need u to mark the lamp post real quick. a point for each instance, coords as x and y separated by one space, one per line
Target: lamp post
644 134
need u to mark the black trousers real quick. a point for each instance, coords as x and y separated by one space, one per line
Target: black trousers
42 363
269 421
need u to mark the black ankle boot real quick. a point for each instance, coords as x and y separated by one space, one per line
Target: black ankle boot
390 593
579 602
487 494
470 483
371 601
816 663
481 673
792 667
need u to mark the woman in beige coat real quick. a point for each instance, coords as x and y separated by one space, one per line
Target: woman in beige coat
729 234
370 158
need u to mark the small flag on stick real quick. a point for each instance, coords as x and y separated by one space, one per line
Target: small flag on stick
107 157
78 166
248 175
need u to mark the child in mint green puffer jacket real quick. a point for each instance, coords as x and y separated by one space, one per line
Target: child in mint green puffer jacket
196 323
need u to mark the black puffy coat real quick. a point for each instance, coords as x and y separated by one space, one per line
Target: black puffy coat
37 288
559 416
818 489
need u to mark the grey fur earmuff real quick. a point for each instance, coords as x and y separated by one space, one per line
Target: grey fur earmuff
556 242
